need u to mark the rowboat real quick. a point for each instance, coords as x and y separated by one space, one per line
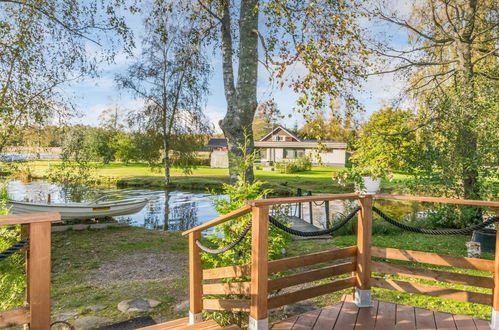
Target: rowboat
70 211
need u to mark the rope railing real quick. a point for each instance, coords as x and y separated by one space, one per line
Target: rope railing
295 232
462 231
227 247
16 247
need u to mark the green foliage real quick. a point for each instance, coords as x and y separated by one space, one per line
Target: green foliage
301 164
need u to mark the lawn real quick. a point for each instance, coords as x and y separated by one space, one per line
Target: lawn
104 267
317 180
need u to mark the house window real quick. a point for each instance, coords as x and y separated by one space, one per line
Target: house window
279 138
293 153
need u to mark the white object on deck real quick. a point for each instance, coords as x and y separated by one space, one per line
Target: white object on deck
494 322
91 210
258 324
362 298
195 318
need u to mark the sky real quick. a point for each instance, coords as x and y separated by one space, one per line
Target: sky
93 95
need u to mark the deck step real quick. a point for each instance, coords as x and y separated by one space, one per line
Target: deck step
182 324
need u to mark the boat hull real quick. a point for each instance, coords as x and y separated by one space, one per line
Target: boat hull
73 211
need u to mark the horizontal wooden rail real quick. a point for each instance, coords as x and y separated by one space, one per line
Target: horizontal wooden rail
434 275
236 305
439 200
14 317
290 298
226 217
20 219
433 258
301 199
310 276
227 288
311 259
282 264
434 291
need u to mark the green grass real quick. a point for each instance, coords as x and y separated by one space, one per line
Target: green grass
317 180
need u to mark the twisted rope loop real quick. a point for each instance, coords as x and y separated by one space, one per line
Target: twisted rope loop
229 246
463 231
13 249
295 232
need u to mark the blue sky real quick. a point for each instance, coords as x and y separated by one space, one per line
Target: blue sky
93 95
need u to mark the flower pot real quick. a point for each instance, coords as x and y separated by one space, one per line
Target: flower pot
486 238
371 185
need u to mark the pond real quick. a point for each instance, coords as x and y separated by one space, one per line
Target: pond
180 210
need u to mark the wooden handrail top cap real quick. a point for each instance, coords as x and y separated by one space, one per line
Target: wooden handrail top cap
439 200
15 219
300 199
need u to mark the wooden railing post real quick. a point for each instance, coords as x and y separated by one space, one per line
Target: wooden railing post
364 237
258 319
39 275
195 279
494 323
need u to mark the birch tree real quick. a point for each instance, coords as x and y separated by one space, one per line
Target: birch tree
320 37
170 76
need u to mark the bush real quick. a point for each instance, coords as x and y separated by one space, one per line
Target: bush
301 164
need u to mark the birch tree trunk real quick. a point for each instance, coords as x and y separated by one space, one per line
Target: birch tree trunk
241 97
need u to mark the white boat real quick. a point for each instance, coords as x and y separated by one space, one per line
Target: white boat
90 210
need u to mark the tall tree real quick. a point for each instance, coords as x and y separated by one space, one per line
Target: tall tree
452 64
170 76
266 119
320 35
44 44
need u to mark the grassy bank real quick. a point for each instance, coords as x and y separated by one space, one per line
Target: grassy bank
317 180
104 267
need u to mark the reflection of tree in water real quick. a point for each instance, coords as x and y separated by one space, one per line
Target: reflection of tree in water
152 218
183 216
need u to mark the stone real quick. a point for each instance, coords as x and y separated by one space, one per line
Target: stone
137 305
89 322
99 226
97 307
80 227
66 316
182 307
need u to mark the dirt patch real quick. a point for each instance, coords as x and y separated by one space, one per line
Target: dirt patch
141 266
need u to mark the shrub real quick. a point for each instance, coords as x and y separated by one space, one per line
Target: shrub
301 164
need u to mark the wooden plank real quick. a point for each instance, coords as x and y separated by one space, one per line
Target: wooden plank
206 325
301 199
429 274
424 319
364 233
445 321
285 324
226 272
292 297
348 315
282 264
195 275
306 321
464 322
227 288
433 258
311 259
495 303
366 318
439 200
259 263
39 280
167 325
328 316
242 305
310 276
405 317
434 291
13 317
481 324
15 219
226 217
385 319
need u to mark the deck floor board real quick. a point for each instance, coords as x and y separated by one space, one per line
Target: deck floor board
382 315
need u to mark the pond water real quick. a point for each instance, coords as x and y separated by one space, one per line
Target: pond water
181 210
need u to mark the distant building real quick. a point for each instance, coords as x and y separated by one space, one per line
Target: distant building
281 145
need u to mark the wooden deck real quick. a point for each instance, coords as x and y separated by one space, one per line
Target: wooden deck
383 316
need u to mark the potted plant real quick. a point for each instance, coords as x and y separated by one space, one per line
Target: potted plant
366 179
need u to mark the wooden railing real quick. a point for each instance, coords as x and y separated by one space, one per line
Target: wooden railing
36 312
356 264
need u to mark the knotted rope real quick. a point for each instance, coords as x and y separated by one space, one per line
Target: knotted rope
229 246
463 231
13 249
